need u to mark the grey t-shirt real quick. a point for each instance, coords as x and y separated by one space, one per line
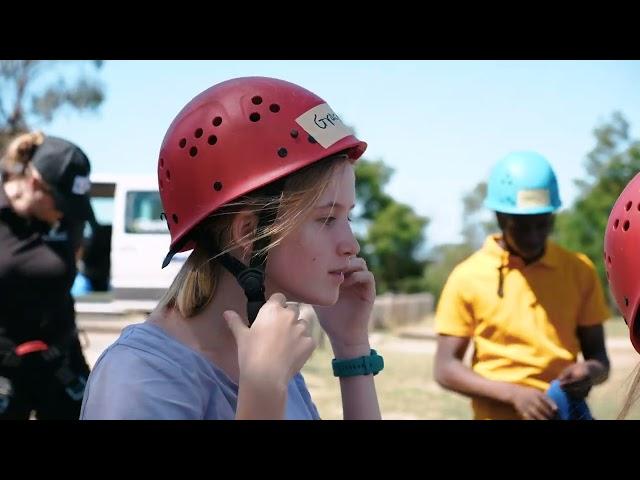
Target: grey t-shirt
147 374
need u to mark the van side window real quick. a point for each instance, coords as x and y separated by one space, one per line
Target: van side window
143 211
103 209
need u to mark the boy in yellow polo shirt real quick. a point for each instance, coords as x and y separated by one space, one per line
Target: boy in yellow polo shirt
528 305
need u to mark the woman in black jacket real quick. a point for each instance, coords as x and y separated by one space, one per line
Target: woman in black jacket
44 205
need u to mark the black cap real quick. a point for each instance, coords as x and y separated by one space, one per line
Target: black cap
66 170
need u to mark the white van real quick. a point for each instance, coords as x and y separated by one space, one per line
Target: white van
124 253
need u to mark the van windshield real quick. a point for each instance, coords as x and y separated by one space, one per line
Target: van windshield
143 213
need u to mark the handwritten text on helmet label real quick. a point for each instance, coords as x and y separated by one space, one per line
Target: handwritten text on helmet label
323 125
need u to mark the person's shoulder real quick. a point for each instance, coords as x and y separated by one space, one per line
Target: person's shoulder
129 382
148 348
136 366
141 347
469 265
578 259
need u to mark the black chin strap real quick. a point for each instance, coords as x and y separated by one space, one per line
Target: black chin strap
251 278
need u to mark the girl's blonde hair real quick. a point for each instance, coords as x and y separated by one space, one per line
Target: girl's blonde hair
18 154
633 394
195 284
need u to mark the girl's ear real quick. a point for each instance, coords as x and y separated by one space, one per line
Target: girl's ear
243 228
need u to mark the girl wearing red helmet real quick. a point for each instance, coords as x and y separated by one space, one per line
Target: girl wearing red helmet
622 264
252 169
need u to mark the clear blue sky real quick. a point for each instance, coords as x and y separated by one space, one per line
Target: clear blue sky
440 124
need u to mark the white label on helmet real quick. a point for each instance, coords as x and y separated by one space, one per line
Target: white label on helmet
533 198
81 185
324 125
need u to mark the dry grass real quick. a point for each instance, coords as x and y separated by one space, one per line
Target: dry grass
406 388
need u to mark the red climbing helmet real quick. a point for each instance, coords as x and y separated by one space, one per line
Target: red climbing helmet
237 136
622 256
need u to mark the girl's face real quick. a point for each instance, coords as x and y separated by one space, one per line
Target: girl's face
36 200
307 265
43 205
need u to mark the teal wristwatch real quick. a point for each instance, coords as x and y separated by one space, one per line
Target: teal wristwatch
351 367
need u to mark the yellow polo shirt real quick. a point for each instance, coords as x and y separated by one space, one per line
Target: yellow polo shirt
528 335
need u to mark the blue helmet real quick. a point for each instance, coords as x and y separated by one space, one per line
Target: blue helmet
523 183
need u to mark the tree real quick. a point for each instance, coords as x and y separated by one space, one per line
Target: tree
371 177
390 233
32 92
477 221
443 259
609 166
395 236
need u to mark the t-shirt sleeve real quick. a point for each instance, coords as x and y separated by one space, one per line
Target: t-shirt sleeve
454 315
594 310
132 384
306 396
